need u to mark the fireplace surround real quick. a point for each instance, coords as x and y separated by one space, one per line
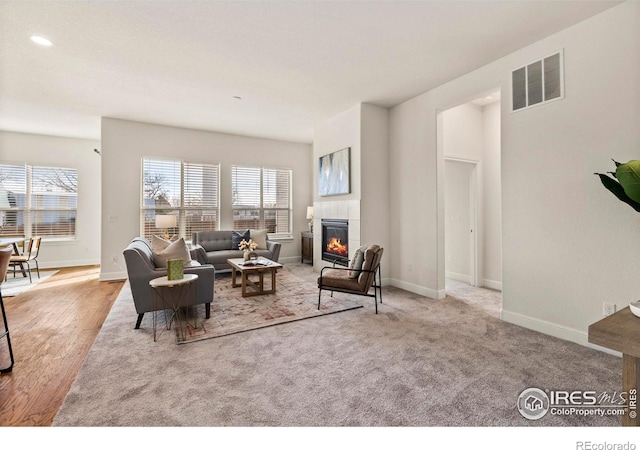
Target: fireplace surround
335 241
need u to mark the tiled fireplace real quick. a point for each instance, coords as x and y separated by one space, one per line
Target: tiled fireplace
347 212
335 241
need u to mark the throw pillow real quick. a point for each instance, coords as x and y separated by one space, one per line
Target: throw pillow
356 262
260 237
237 237
163 251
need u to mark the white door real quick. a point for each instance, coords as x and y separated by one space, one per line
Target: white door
460 218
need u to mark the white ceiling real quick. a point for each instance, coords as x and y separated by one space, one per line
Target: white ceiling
182 62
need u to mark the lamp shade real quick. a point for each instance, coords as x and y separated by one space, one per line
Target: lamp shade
309 212
165 221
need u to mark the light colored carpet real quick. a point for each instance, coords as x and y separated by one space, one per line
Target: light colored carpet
420 362
19 284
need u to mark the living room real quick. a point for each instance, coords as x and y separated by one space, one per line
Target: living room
567 245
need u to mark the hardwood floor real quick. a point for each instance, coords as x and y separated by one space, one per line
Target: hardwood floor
53 326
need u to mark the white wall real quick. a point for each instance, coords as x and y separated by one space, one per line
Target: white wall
333 134
491 198
374 176
463 132
568 245
124 143
365 129
64 152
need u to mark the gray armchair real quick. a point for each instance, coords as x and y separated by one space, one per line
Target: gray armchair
141 269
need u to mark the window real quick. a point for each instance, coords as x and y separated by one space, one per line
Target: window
538 82
262 200
38 201
187 190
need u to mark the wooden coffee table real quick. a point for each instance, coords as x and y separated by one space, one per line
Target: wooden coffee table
257 287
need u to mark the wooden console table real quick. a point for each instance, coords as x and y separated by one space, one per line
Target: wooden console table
307 247
621 332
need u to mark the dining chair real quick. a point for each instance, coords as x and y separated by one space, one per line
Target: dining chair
5 254
30 255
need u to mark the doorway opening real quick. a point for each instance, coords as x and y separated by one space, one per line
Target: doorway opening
470 237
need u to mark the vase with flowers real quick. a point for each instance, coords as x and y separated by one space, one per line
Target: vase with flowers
247 248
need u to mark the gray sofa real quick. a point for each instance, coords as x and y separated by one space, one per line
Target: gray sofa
214 247
141 269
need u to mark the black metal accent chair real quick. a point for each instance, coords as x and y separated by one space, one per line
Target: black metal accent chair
342 279
5 254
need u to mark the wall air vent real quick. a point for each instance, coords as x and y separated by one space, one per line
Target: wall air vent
538 82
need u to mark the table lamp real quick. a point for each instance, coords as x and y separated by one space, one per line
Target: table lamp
165 221
310 217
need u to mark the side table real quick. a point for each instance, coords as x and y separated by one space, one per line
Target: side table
621 332
172 293
307 247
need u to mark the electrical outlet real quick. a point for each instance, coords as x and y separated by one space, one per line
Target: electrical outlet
410 267
114 259
608 308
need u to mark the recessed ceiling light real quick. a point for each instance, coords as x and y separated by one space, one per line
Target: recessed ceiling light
237 97
41 41
488 97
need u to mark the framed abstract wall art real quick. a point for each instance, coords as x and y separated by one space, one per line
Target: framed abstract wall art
333 173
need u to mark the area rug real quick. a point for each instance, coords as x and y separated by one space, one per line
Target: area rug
19 284
295 299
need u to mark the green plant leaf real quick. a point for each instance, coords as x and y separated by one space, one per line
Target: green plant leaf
616 189
628 175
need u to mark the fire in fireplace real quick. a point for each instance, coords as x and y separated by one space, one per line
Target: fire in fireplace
335 241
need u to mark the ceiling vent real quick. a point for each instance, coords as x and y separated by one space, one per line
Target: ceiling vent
538 82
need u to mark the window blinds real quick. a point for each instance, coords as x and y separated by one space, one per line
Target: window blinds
185 189
261 199
38 201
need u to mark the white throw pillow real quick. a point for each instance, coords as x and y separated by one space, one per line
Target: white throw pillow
164 250
260 237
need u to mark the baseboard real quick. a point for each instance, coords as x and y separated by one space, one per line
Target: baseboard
553 329
113 276
289 259
68 263
417 289
492 284
458 276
